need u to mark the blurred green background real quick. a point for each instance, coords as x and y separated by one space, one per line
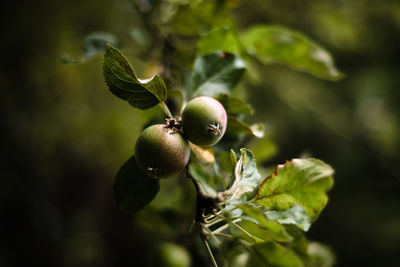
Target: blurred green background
65 136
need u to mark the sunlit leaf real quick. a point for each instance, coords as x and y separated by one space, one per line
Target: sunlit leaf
257 129
247 178
216 73
251 232
301 182
296 215
123 82
234 106
275 44
133 190
234 157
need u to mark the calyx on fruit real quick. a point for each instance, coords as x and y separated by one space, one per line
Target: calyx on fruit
204 121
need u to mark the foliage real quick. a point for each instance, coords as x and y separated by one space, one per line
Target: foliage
133 190
122 81
65 137
235 203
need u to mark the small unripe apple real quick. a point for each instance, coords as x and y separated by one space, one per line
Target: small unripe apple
204 121
161 151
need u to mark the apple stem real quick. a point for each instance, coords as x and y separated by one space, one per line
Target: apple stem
165 108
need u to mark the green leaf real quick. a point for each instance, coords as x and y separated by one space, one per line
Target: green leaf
299 244
133 190
247 178
275 44
216 73
225 164
123 82
189 19
219 38
273 254
296 215
257 214
203 174
234 106
234 157
236 126
254 234
298 182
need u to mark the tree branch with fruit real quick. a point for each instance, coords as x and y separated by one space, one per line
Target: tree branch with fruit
266 216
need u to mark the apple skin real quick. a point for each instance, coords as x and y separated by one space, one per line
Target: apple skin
161 152
204 121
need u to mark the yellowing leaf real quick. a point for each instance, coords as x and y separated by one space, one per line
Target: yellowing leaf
204 153
301 182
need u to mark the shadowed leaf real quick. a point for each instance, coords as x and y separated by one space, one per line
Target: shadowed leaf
234 106
133 190
273 254
216 73
203 175
257 215
236 126
123 82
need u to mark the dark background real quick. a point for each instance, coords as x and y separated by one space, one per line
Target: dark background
64 136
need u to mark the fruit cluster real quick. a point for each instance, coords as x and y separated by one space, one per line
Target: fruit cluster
163 149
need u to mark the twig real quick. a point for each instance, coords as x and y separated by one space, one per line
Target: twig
210 233
213 221
225 236
244 231
210 252
225 226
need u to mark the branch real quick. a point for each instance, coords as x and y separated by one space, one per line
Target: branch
204 203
